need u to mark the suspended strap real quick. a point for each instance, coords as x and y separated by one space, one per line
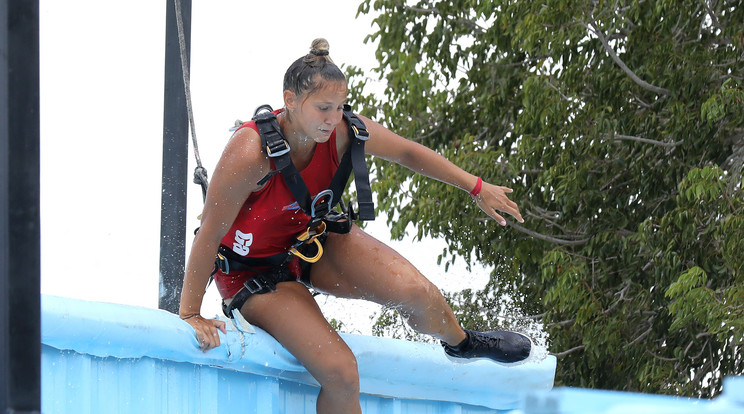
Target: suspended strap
200 173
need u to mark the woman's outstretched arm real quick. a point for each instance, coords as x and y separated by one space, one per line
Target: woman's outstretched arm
418 158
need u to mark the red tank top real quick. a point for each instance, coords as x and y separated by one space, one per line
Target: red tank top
270 218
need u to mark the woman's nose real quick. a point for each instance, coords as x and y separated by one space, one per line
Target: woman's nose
333 119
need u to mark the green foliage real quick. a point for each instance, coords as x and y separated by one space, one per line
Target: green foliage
620 127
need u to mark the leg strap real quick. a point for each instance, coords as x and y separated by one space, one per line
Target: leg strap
261 283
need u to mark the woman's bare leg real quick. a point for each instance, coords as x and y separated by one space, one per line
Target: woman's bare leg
356 265
291 315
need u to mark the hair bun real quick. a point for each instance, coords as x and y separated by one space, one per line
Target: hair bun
319 47
308 73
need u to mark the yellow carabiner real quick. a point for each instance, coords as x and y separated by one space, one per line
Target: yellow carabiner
313 259
312 233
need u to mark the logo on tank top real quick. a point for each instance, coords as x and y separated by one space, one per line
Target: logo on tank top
293 206
242 243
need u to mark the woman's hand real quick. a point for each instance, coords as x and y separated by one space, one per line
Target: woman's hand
206 330
493 198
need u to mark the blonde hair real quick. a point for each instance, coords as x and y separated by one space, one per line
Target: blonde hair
300 76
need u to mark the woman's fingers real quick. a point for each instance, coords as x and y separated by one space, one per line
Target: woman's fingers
495 199
207 331
219 325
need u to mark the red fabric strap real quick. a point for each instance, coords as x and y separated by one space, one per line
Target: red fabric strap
477 188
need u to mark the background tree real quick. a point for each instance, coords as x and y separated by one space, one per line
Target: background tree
620 126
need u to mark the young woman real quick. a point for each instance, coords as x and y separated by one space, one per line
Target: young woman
248 214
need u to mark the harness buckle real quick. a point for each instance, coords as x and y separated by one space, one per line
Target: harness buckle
253 285
363 134
223 264
277 148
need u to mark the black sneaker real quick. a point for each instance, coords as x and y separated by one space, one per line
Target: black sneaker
501 346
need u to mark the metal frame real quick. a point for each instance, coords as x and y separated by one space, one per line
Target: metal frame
20 269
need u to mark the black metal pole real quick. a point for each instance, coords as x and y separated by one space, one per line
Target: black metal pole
175 161
20 269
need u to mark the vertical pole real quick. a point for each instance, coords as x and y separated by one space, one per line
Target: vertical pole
175 161
20 269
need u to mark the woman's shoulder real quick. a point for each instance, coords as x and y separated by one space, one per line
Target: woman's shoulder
243 159
245 142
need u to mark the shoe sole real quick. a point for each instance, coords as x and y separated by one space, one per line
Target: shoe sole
459 360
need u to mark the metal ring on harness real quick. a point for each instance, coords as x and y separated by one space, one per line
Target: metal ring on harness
322 200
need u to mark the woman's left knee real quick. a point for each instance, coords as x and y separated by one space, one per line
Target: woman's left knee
417 291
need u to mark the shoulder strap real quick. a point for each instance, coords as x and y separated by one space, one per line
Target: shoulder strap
277 147
353 159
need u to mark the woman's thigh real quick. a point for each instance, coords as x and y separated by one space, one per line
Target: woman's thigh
292 316
356 265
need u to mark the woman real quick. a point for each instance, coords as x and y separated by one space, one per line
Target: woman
250 213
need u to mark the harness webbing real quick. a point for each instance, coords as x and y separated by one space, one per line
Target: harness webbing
323 218
277 147
361 174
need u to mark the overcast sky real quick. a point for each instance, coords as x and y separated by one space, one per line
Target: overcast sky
102 71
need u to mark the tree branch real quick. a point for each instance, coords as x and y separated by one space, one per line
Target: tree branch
534 317
564 97
641 336
569 351
645 140
622 65
562 323
545 237
619 300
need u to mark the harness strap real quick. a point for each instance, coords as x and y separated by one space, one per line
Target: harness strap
307 250
361 173
277 147
228 261
258 284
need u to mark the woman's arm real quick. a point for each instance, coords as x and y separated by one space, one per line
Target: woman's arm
387 145
241 166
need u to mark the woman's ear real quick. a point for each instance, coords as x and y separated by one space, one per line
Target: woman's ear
290 100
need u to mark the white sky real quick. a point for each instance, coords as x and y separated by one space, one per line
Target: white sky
102 70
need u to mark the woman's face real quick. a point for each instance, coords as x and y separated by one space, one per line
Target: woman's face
319 112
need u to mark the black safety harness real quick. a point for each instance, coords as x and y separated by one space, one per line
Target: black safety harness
308 245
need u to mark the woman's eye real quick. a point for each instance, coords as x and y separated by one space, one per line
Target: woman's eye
324 108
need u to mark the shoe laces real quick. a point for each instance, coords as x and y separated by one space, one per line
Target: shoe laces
478 339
